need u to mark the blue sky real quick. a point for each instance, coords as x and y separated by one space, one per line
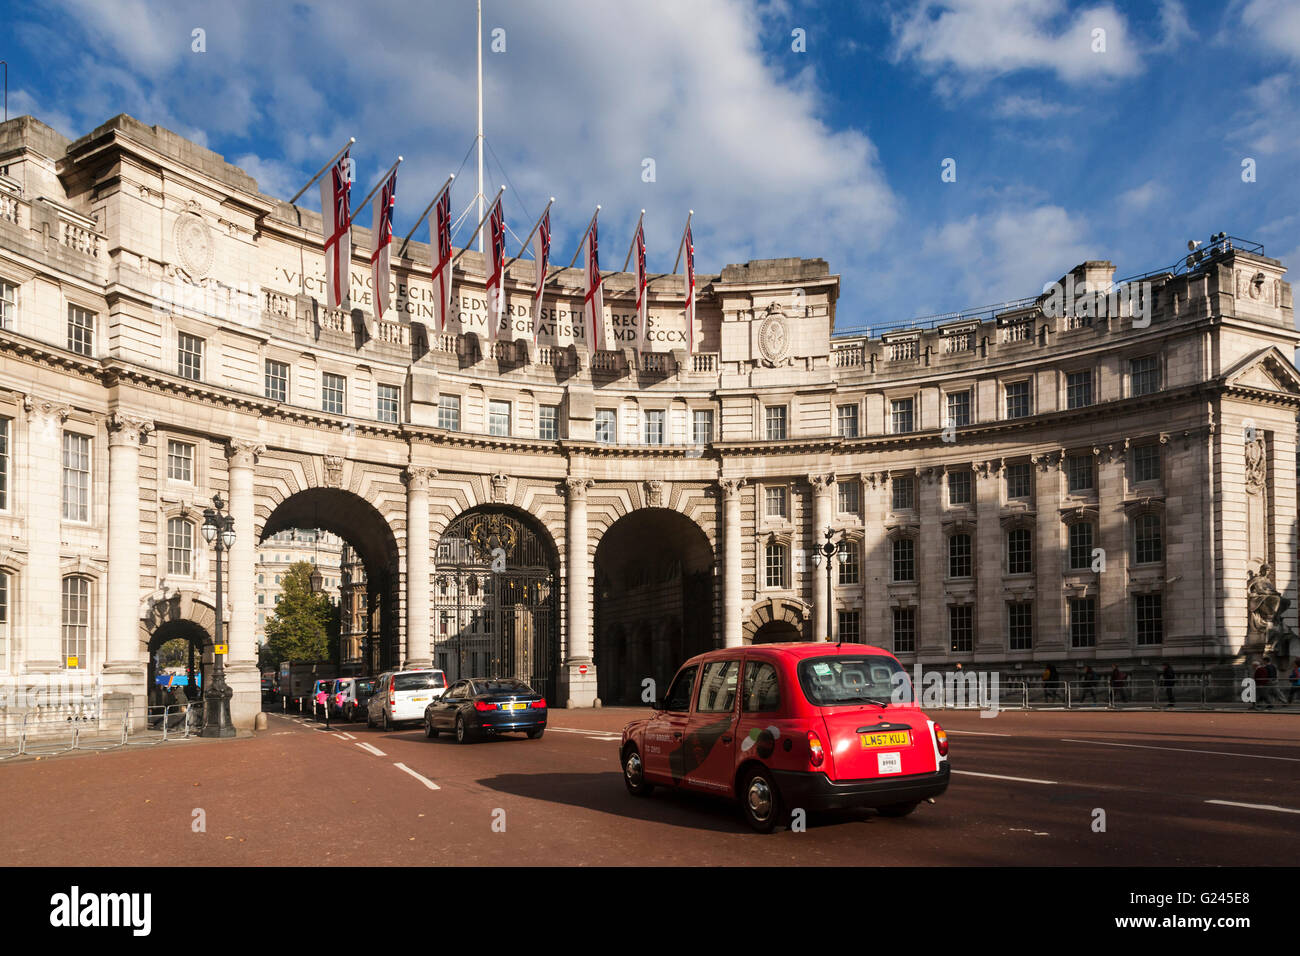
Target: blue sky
1063 152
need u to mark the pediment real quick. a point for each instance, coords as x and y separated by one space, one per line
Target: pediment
1268 369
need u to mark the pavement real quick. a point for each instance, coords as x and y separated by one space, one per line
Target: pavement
1029 788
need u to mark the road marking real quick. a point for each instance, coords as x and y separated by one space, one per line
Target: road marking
372 749
998 776
347 736
1180 750
976 733
593 734
1253 806
424 780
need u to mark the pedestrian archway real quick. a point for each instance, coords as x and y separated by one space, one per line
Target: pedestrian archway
182 622
654 602
776 632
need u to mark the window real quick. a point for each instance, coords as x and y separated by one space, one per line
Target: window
4 464
849 495
762 688
774 501
849 564
449 412
900 416
8 304
1078 389
654 426
1018 399
960 628
718 688
4 621
1019 480
180 545
388 401
499 419
76 621
548 422
904 563
1078 473
81 330
1083 622
1020 554
849 626
959 488
846 421
277 380
1147 546
703 426
959 556
775 566
1144 375
76 477
1020 626
959 408
1146 463
679 694
1149 617
180 461
189 356
904 630
904 496
261 599
774 417
606 426
333 392
1081 545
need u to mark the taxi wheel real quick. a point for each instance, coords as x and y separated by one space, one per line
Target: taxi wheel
534 734
429 730
897 809
634 774
462 732
760 801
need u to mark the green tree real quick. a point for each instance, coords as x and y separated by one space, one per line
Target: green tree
305 626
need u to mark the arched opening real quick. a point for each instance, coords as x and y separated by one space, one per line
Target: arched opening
495 595
180 658
355 563
653 602
776 632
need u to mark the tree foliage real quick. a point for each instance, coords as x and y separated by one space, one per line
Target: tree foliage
305 626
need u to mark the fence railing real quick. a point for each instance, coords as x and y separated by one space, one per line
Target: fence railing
41 732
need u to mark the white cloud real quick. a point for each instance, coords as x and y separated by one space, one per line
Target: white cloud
1017 106
1268 123
1275 24
1174 28
1141 197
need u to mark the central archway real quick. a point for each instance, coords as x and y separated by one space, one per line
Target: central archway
654 602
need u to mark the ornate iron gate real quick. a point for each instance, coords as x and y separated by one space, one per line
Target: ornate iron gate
495 601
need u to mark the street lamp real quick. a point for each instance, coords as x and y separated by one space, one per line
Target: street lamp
218 530
827 551
317 580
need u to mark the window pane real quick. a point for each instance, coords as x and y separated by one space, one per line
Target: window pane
1083 622
703 430
775 501
849 566
850 497
904 559
847 421
1019 480
1148 546
959 488
1081 546
76 477
1078 389
775 422
959 408
76 621
717 693
81 331
1020 559
332 393
499 419
189 357
959 556
449 412
762 688
654 426
1146 463
277 381
904 630
960 629
903 496
1078 472
548 422
8 304
1020 626
180 461
901 419
1144 375
775 566
850 627
180 545
1150 618
606 425
1017 399
4 464
389 401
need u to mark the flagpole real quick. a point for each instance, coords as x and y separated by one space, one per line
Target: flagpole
382 179
298 195
682 242
436 197
583 238
480 122
632 244
524 245
478 229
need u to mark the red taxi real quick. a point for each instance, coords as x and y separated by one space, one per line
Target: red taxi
778 727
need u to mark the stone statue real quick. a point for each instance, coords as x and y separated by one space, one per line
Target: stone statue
1267 615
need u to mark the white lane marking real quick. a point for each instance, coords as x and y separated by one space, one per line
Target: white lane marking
372 749
998 776
976 733
347 736
424 780
1253 806
1180 750
340 736
593 734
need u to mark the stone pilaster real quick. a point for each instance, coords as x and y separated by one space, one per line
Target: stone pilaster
241 590
43 581
419 633
732 621
931 566
822 512
578 667
990 564
1115 636
123 600
1051 548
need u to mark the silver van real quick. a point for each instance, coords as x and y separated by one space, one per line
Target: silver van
401 696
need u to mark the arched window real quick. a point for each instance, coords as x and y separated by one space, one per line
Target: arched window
180 546
775 566
959 555
76 621
1148 546
1081 535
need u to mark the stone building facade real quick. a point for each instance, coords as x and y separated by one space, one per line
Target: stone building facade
1003 489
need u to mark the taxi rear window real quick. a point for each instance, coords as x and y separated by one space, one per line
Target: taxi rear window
827 681
416 681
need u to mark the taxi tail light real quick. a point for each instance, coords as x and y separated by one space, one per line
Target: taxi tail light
815 753
540 704
941 740
484 705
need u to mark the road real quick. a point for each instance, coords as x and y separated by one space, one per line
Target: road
1176 789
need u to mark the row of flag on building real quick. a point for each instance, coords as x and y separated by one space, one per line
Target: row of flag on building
336 224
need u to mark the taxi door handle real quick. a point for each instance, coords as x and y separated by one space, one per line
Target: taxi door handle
726 738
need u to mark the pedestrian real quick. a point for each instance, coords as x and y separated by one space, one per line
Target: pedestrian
1089 685
1274 687
1167 682
1261 687
1054 681
1295 681
1118 684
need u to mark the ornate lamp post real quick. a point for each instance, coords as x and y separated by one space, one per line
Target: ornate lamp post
218 530
827 552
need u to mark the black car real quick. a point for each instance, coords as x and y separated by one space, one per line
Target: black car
483 707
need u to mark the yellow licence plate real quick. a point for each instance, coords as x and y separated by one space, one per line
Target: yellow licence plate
513 706
895 738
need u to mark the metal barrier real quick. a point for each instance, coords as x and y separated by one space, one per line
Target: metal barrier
169 722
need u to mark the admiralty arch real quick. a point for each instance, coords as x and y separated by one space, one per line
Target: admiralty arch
1003 487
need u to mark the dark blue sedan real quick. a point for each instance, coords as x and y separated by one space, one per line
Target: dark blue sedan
484 707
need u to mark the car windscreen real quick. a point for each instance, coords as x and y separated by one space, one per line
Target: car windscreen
501 687
365 687
420 681
827 681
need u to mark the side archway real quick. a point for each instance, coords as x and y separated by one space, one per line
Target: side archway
185 615
777 620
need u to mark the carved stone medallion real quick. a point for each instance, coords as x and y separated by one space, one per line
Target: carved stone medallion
773 339
194 245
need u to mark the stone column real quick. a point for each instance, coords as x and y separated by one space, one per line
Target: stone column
821 519
577 605
240 587
419 631
1115 638
43 649
123 600
732 632
990 564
